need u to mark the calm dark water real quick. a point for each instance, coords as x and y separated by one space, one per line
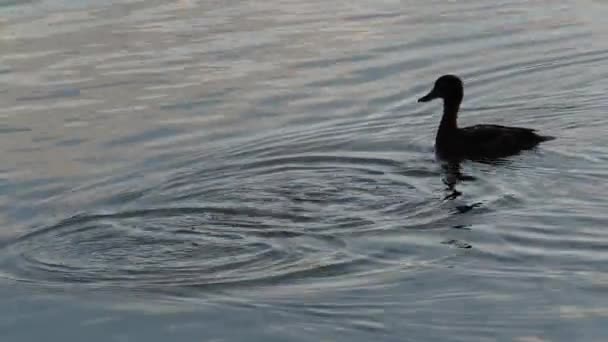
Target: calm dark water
231 171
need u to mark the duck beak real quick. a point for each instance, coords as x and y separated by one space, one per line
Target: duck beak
428 97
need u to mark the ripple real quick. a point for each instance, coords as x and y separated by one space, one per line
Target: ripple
212 248
170 247
298 219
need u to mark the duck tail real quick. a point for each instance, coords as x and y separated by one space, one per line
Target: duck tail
542 138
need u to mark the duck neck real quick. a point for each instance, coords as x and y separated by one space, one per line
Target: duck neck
449 123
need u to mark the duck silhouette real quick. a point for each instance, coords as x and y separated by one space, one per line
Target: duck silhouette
474 142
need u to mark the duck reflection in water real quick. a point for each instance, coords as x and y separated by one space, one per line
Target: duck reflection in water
452 174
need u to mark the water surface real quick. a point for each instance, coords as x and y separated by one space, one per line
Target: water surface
225 171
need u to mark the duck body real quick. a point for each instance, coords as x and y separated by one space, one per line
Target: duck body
479 141
486 141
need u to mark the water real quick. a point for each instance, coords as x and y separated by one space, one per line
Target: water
223 171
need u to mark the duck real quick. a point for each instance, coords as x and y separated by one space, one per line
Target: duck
479 141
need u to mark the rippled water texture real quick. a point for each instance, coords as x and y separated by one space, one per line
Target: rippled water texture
261 171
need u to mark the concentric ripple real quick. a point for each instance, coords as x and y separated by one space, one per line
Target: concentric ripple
309 219
177 246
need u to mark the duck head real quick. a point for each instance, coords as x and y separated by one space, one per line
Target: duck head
447 87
